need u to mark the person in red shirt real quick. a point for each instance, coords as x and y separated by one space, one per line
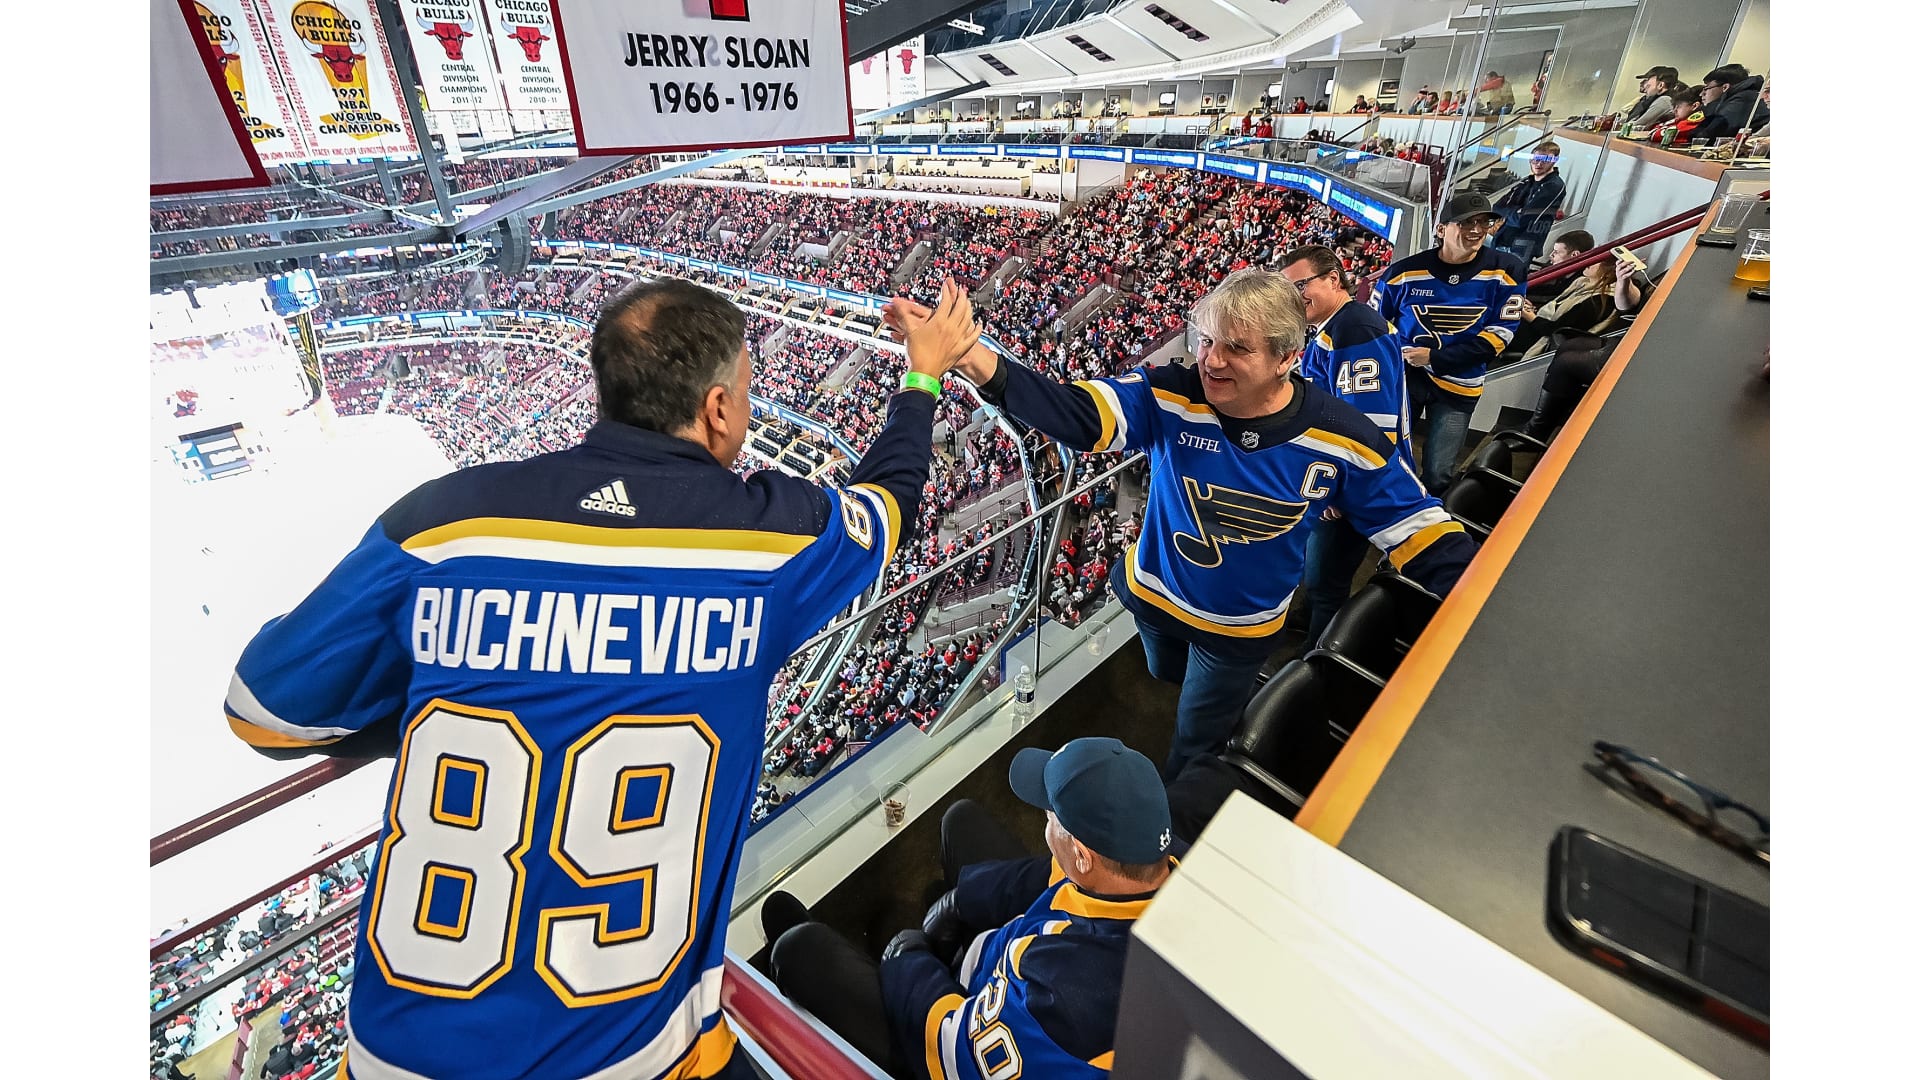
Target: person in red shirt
1264 129
1688 114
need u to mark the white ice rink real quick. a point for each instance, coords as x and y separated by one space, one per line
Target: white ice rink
249 548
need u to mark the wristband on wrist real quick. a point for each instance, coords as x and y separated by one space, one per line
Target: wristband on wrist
918 380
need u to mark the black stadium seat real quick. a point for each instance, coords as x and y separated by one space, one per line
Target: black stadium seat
1378 625
1283 741
1496 454
1346 688
1478 499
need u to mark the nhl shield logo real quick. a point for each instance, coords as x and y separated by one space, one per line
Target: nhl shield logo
1453 279
1250 439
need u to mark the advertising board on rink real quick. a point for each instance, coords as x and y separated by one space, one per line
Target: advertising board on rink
703 74
239 39
451 48
339 77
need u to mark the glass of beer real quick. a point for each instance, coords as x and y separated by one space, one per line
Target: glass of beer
1756 258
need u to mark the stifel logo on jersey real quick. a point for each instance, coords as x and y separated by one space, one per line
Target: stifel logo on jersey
1226 516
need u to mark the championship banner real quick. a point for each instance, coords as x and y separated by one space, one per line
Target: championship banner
906 72
530 62
449 39
339 76
253 76
703 74
197 139
867 84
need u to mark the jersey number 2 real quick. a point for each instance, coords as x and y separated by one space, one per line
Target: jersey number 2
632 807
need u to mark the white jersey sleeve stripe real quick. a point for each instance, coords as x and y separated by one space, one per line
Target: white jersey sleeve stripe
248 708
1397 533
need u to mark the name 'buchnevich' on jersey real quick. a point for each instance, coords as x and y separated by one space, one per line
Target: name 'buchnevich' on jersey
584 633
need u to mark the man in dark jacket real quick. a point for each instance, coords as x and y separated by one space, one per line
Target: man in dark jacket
1530 207
1655 104
1728 94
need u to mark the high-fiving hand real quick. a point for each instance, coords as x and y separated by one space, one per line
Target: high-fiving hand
938 339
905 319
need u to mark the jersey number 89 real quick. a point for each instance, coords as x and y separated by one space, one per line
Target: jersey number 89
446 907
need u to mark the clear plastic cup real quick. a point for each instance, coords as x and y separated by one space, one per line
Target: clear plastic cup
1732 214
893 804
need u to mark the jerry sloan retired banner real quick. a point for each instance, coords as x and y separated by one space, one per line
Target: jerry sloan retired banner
649 75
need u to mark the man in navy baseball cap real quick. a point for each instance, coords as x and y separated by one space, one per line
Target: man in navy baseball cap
1102 798
1031 946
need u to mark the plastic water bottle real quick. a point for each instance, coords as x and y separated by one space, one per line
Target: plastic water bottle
1023 695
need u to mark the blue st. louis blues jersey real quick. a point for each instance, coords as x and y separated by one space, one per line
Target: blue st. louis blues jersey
577 649
1218 555
1356 358
1466 313
1043 996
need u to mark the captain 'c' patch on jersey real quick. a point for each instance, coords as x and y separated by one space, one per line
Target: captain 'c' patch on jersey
1226 516
1444 320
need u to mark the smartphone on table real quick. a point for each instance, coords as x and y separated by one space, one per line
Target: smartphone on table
1700 945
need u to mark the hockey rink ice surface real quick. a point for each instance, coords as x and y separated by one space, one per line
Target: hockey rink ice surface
249 548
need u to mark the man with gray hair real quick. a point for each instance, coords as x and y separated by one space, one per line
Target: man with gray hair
1242 450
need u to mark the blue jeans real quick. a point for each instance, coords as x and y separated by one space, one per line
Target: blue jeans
1214 690
1334 554
1447 418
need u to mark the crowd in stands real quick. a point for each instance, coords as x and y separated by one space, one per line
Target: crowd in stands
792 363
293 981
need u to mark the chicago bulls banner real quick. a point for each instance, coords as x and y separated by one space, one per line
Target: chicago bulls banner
906 72
449 40
198 140
668 75
867 83
339 76
253 76
523 41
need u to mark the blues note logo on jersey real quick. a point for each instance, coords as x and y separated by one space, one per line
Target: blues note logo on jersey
1443 320
1225 516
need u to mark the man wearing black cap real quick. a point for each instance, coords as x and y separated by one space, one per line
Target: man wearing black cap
1453 308
1041 943
1657 85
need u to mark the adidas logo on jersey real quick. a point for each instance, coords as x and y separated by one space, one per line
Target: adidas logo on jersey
611 499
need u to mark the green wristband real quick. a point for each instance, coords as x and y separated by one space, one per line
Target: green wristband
917 380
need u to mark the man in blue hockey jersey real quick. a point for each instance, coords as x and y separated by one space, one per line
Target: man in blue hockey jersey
574 652
1453 308
1351 354
1018 969
1242 450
